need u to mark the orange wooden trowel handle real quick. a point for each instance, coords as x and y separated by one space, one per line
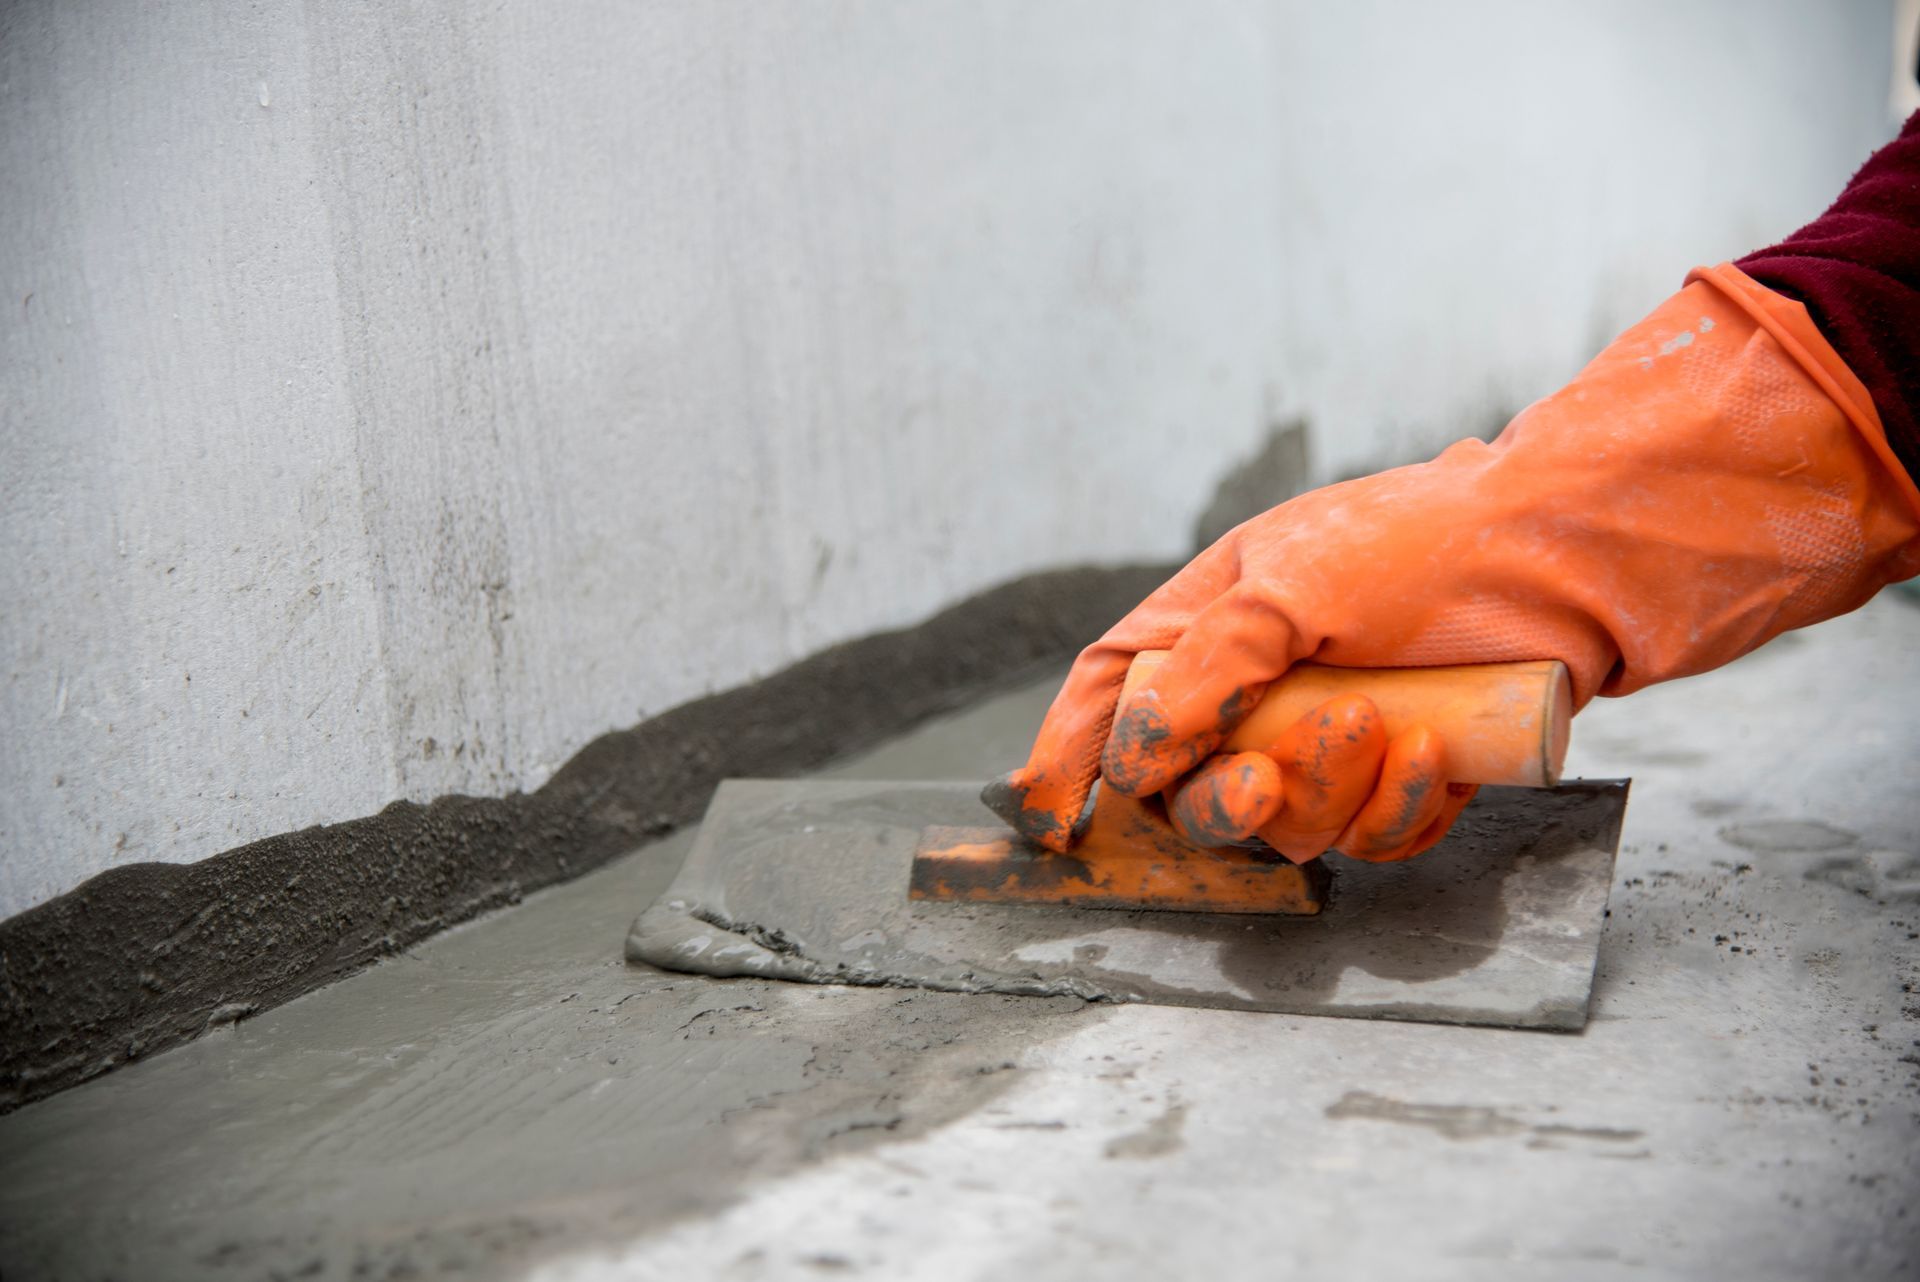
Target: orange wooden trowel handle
1503 722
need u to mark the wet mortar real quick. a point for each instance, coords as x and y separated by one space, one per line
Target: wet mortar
509 1085
512 1099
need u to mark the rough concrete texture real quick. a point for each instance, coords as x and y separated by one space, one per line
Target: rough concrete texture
806 880
398 396
511 1098
144 957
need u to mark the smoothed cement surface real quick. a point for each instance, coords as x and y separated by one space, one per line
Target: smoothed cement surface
512 1098
805 880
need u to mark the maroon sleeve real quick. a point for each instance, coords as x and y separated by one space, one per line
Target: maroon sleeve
1857 270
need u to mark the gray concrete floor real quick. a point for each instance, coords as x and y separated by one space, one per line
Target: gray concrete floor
510 1099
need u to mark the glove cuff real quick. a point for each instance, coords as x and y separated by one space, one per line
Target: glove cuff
1790 324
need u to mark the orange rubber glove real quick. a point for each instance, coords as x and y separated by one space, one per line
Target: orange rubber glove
1714 478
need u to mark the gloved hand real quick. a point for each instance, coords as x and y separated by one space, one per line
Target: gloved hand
1715 477
1333 779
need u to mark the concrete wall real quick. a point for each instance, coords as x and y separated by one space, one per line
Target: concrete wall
397 396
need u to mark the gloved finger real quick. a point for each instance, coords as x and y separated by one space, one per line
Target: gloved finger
1410 796
1458 795
1226 799
1044 799
1330 760
1211 679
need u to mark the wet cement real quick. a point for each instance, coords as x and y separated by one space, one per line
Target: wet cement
500 1092
1500 924
511 1098
148 956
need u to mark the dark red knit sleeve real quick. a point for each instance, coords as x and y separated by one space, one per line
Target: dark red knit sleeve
1857 270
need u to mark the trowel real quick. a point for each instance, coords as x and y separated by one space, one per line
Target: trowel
904 885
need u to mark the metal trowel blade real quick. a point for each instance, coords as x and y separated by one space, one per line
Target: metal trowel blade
807 880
